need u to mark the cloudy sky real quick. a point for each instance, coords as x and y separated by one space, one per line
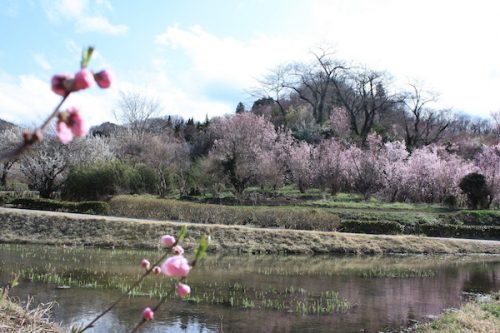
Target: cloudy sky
201 57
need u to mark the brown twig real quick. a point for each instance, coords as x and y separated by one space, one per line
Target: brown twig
162 300
29 139
91 324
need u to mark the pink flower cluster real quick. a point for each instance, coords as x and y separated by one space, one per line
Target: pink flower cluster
70 123
64 84
176 266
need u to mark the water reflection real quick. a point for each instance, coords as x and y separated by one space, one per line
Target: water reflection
384 292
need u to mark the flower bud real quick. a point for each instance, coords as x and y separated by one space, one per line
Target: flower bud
148 314
83 79
167 241
182 290
59 84
178 250
145 264
103 79
176 266
156 270
63 132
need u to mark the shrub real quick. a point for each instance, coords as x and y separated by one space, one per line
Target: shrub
85 207
99 180
385 228
491 218
475 187
144 180
304 219
460 231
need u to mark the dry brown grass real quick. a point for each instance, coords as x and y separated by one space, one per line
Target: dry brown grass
17 319
477 317
22 226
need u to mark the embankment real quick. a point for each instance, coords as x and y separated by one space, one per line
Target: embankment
40 227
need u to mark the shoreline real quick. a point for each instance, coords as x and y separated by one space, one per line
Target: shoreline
56 228
481 315
15 318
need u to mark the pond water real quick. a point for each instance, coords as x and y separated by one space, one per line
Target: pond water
250 293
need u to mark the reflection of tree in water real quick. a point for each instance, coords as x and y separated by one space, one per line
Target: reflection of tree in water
482 279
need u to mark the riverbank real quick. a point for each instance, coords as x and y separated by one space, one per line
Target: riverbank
54 228
480 316
16 319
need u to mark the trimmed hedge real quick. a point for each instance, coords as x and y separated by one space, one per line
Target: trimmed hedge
428 229
491 218
84 207
8 196
383 228
267 217
461 231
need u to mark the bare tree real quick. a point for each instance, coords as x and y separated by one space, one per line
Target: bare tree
274 86
46 166
363 94
135 110
9 137
423 125
313 82
495 116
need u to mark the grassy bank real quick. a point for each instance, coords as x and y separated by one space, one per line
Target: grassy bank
429 221
476 316
342 213
17 319
18 226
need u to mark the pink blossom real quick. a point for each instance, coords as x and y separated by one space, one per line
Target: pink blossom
178 250
176 266
167 241
64 132
156 270
83 79
60 84
76 123
145 264
148 314
182 290
103 79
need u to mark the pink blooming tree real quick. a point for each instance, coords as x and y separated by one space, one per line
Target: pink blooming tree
393 161
330 166
488 162
364 168
339 121
300 164
274 161
244 142
434 174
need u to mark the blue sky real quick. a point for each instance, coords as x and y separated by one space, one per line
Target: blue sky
201 57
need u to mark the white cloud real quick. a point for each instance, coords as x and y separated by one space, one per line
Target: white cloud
87 16
40 59
447 44
235 62
100 24
221 68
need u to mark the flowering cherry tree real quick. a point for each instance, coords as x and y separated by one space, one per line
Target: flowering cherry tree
330 166
244 141
488 162
300 164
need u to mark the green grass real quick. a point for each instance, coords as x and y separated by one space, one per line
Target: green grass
267 217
